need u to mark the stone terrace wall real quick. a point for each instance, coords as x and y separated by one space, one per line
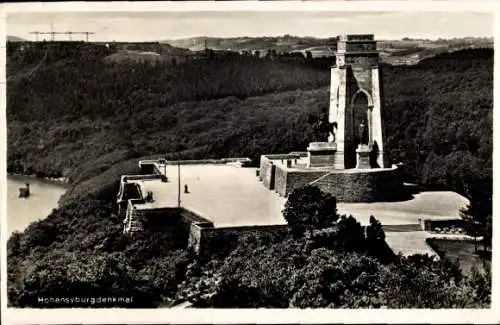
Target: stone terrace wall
429 224
272 172
267 172
205 239
280 180
148 166
184 218
359 186
373 186
264 165
295 179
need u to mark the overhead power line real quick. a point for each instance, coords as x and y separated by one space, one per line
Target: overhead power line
68 33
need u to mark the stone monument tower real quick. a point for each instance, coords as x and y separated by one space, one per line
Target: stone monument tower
350 163
357 140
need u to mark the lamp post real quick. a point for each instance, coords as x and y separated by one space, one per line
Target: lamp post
163 162
178 184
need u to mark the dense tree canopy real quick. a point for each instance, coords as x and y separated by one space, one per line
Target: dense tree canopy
309 208
296 272
80 250
341 266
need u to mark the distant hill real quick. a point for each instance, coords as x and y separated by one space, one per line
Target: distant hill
15 39
405 51
11 38
281 43
156 47
118 51
144 52
87 94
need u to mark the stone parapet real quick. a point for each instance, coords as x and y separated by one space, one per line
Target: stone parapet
348 185
373 185
356 37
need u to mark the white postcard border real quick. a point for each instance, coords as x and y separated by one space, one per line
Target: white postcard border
12 316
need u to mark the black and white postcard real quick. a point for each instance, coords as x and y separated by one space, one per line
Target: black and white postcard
322 160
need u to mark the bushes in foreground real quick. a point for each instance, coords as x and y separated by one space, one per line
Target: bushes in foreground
290 273
80 251
328 264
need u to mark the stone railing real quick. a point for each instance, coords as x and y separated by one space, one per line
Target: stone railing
430 223
195 161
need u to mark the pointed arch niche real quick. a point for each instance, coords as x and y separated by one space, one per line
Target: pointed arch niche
362 105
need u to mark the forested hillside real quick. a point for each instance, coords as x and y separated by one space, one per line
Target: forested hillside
439 118
74 84
77 114
72 113
83 109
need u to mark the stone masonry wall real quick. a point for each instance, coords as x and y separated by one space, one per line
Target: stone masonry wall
383 185
267 173
361 47
204 239
280 180
430 224
295 179
264 166
352 186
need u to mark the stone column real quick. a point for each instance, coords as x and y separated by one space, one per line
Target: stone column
337 111
334 87
376 132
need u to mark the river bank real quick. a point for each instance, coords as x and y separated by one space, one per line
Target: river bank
44 197
62 181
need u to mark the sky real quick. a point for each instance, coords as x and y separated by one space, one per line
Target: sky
150 26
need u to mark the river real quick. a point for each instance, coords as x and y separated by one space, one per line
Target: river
42 200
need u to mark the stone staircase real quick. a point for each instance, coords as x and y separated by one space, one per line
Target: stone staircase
133 226
132 223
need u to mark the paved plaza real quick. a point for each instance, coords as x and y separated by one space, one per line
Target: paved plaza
230 195
233 196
